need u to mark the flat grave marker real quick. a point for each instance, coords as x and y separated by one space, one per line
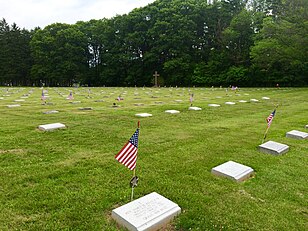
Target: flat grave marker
213 105
150 212
51 112
229 103
13 105
50 127
242 101
85 108
274 148
172 111
254 100
265 98
297 135
194 108
19 100
233 170
143 115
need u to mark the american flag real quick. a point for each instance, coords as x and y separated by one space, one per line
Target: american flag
43 96
70 96
191 98
269 119
128 154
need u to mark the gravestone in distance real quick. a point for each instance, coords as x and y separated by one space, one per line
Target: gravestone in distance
172 111
13 105
213 105
143 115
306 126
233 170
254 100
297 135
51 112
150 212
265 98
85 108
50 127
194 108
274 148
242 101
229 103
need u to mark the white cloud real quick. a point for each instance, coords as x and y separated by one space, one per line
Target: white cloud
31 13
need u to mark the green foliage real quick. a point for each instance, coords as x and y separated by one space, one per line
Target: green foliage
190 42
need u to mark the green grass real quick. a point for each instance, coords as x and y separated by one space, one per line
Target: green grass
69 180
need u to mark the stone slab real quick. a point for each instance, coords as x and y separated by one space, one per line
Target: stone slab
213 105
51 112
150 212
229 103
297 135
194 108
254 100
242 101
50 127
143 115
19 100
274 148
233 170
85 108
13 105
172 111
265 98
306 126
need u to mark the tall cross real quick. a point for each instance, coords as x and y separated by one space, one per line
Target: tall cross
155 78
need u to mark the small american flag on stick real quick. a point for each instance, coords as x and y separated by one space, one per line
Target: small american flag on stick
128 154
269 119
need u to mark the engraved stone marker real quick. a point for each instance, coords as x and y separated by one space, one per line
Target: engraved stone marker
233 170
273 148
50 127
150 212
172 111
143 115
194 108
297 135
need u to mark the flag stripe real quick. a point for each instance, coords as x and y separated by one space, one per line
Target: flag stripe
128 154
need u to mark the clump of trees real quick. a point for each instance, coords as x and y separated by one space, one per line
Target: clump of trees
189 42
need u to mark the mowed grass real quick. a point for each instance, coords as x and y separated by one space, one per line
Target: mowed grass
69 180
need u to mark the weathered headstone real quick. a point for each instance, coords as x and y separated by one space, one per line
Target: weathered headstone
151 212
172 111
233 170
194 108
75 102
274 148
297 135
143 115
138 104
50 127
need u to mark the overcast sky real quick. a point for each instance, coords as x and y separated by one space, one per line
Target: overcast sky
31 13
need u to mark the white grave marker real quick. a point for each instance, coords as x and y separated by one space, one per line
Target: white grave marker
265 98
254 100
273 148
50 127
194 108
233 170
242 101
19 100
297 135
229 103
306 126
172 111
150 212
13 105
214 105
143 115
51 112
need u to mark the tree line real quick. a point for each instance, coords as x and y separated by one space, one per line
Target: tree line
189 42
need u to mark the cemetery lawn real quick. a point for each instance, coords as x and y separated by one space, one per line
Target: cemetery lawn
68 179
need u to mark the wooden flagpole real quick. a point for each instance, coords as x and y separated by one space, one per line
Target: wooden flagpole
266 131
